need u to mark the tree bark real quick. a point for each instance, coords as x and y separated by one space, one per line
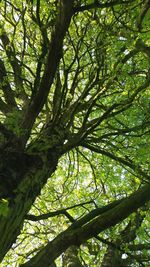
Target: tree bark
21 183
70 258
79 235
27 182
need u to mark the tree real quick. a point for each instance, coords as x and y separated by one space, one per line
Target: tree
74 133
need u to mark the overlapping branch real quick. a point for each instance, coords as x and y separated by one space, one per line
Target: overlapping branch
89 229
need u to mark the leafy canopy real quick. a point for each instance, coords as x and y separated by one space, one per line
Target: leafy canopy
74 109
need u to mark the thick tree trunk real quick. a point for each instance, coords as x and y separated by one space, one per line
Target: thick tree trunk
70 258
112 258
20 199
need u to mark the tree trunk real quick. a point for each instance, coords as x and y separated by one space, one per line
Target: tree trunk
29 183
70 258
112 258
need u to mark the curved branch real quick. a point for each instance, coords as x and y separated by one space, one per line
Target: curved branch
125 161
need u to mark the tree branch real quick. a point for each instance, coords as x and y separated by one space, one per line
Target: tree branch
11 55
56 213
49 215
96 4
142 14
54 56
127 162
79 235
8 93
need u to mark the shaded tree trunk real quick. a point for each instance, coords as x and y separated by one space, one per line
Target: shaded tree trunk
112 258
70 258
24 176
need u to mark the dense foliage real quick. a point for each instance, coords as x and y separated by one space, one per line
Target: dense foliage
74 133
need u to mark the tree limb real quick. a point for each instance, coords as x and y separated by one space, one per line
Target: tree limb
96 4
54 56
56 213
127 162
79 235
8 93
142 14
